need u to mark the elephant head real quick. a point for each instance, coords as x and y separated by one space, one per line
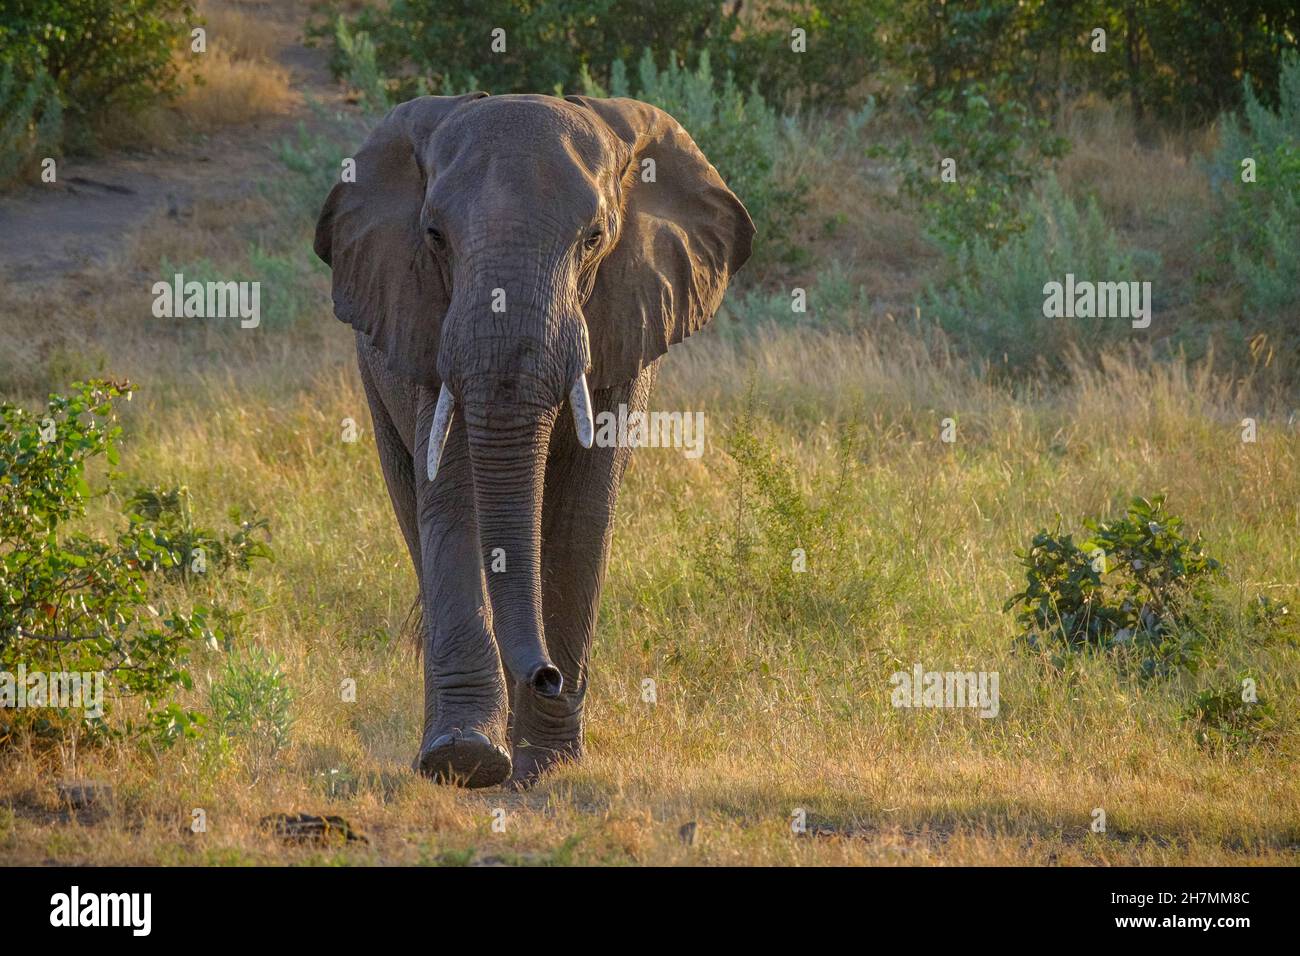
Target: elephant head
517 252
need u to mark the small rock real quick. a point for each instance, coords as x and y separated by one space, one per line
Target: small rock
307 828
686 833
84 794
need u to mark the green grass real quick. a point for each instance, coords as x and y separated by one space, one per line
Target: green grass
758 712
773 690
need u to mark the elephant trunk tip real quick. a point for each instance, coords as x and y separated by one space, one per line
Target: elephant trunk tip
546 681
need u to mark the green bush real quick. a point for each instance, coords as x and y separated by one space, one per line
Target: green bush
1128 587
252 701
31 122
993 305
314 159
355 60
843 51
1225 718
999 149
547 43
65 63
1261 222
98 53
166 516
1183 63
752 556
73 603
550 43
834 301
1175 59
740 134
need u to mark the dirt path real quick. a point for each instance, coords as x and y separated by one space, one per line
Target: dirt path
52 231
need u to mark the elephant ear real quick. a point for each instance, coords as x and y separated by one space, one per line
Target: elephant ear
386 283
684 235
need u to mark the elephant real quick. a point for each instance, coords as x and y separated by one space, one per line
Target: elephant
501 258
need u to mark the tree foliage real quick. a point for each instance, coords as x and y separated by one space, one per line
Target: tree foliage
1181 59
98 53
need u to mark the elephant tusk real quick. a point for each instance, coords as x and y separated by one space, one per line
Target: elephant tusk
439 429
580 402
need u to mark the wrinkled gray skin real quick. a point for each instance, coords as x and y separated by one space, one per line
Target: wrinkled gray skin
537 197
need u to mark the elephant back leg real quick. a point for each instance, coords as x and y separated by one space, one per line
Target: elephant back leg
392 414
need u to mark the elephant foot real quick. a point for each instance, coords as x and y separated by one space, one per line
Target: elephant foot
531 762
465 758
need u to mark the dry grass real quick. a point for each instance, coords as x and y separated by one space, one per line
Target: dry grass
241 30
238 79
1155 194
855 220
231 91
755 718
758 714
1136 184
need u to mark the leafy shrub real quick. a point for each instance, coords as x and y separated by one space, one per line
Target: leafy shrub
287 288
1126 587
73 603
31 120
1177 59
252 700
98 53
1272 615
1261 225
166 515
355 58
994 303
739 133
1225 718
314 158
843 49
999 149
547 43
834 300
1183 64
753 556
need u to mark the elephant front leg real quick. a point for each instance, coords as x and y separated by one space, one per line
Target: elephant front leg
577 527
465 701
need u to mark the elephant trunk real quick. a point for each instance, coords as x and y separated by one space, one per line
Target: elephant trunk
508 445
508 372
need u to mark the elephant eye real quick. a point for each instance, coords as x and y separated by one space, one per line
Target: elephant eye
436 238
592 242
